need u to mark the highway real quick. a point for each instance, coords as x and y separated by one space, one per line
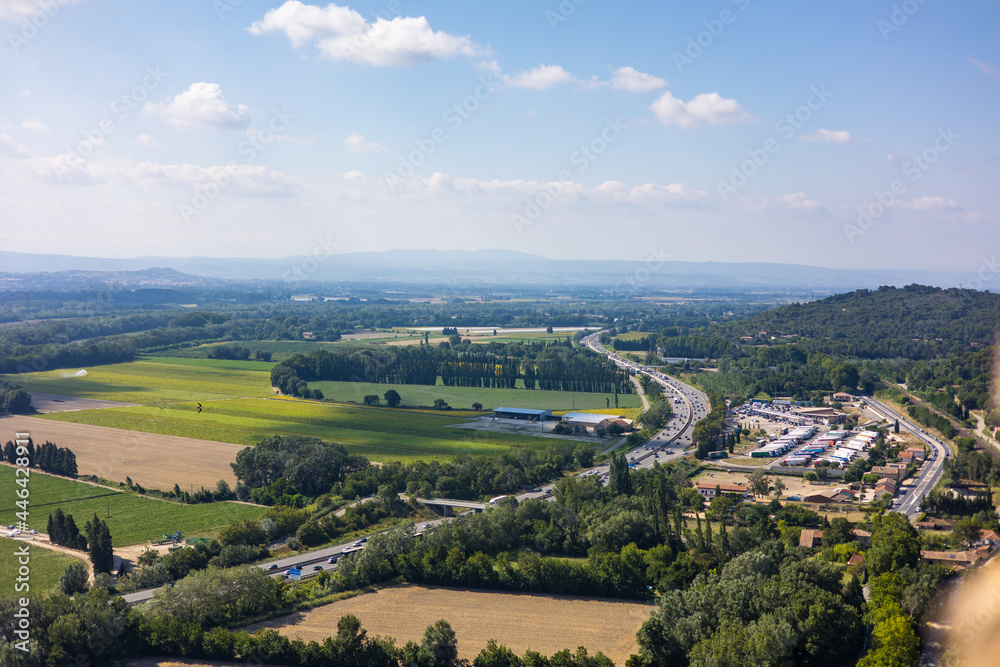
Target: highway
909 503
667 445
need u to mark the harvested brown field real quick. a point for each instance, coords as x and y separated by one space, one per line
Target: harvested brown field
522 621
152 460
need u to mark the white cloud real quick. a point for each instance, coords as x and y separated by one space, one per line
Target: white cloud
540 78
11 147
512 193
830 136
256 180
66 169
23 9
928 204
357 144
201 105
628 78
985 68
147 140
704 109
35 125
340 33
798 200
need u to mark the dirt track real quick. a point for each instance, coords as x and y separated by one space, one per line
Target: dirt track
521 621
154 461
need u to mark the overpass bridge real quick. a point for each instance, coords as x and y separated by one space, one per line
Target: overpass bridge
446 506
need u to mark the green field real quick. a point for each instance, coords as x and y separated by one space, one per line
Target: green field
156 381
133 519
239 407
279 349
463 397
46 567
379 433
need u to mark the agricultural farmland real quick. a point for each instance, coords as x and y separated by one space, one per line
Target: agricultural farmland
156 381
464 397
46 566
381 434
239 407
521 621
133 519
153 460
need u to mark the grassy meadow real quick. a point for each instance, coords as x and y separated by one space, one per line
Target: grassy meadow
238 406
46 567
381 434
133 519
463 397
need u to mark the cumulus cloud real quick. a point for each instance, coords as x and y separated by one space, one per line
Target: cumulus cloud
35 125
830 136
540 78
634 81
147 140
357 144
704 109
340 33
201 105
25 9
11 147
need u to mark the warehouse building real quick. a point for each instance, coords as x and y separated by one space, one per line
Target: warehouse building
523 414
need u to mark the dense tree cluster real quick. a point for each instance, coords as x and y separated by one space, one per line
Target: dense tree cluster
99 545
308 466
47 457
62 530
14 399
468 477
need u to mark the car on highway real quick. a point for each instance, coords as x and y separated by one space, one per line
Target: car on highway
272 566
331 560
317 568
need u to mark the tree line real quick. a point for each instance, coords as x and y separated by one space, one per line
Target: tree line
47 457
552 367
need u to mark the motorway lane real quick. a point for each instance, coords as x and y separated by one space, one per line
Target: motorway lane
666 446
909 503
306 562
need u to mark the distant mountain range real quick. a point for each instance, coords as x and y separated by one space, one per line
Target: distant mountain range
485 268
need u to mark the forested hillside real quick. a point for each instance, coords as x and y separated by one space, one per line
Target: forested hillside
913 322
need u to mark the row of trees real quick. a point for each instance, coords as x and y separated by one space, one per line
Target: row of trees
548 367
47 457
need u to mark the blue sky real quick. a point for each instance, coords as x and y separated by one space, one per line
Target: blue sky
857 134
